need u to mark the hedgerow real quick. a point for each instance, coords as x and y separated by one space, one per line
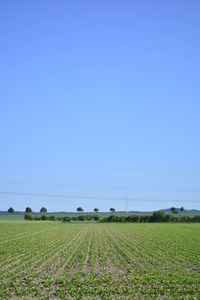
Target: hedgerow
156 217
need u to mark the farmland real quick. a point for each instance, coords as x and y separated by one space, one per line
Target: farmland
53 260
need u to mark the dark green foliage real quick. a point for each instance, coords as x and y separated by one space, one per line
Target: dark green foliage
144 219
43 210
44 218
52 218
37 218
79 209
196 219
82 218
96 209
114 218
96 217
174 210
59 218
112 209
28 217
132 218
66 219
28 210
156 217
88 217
11 210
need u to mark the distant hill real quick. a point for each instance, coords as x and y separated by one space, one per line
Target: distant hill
186 211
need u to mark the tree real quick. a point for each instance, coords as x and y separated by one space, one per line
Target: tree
174 210
96 210
112 209
43 210
79 209
28 210
182 209
11 210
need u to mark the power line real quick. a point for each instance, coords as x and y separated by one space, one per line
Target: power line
114 187
93 197
58 196
100 167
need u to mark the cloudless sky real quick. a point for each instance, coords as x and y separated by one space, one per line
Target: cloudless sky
99 100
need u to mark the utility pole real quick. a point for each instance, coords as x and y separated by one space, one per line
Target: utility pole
126 205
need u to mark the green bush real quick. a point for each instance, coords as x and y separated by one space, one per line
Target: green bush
156 217
44 218
28 217
96 217
66 219
132 218
81 218
196 219
52 218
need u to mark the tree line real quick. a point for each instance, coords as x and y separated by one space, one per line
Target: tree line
80 218
157 216
28 210
44 210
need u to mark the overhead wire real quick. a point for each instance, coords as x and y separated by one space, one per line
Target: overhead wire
92 197
118 168
112 187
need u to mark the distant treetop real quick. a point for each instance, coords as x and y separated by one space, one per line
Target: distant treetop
11 210
43 210
79 209
112 209
174 210
28 210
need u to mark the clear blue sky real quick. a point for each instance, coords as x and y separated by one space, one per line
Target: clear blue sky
99 100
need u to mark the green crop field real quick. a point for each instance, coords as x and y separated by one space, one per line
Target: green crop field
52 260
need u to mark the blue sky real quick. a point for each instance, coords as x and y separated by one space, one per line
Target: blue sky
99 100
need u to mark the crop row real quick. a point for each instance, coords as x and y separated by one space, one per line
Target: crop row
46 260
